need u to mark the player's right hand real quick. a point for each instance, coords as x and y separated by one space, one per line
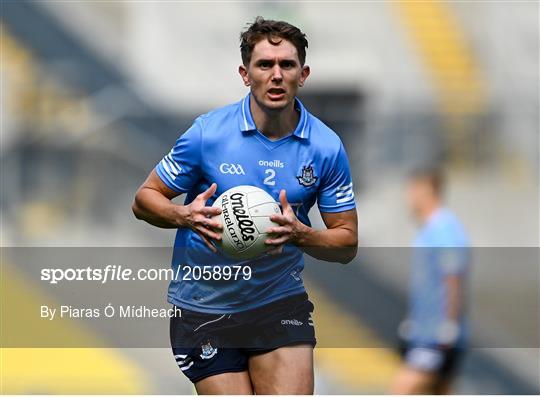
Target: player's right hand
198 218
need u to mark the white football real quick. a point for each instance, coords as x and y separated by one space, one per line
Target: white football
245 218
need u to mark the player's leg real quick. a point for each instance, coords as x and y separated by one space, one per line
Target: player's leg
421 371
226 383
447 374
413 381
443 386
286 370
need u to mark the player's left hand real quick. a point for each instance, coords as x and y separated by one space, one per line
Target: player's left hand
290 229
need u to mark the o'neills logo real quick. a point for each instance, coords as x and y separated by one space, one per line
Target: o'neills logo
243 220
292 322
272 163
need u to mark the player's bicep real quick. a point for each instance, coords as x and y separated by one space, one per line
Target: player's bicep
154 182
347 220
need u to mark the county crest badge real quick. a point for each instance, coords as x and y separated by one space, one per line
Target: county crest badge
208 351
308 177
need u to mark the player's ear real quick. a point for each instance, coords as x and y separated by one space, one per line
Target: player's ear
244 74
305 73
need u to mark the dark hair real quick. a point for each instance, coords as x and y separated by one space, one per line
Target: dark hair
432 175
271 30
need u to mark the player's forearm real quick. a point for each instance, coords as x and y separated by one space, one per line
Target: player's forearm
453 291
156 209
449 330
333 245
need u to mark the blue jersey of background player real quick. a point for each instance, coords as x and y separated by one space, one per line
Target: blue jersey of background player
269 140
435 330
440 255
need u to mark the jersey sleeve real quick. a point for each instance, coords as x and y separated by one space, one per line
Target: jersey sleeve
454 260
180 168
336 193
453 252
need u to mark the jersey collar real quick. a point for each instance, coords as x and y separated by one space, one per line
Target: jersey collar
247 124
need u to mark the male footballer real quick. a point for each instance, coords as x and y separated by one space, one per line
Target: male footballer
434 334
253 334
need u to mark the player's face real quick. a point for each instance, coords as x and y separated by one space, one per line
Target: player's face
419 195
274 74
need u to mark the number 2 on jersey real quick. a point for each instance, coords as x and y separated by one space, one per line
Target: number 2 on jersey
270 174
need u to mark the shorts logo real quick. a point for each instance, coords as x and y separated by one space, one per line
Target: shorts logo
208 351
233 169
308 177
292 322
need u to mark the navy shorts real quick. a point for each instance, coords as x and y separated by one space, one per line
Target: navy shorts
443 362
209 344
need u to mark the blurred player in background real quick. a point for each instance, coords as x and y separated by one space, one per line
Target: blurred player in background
434 334
268 140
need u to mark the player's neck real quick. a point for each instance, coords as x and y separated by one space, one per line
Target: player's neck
428 211
274 124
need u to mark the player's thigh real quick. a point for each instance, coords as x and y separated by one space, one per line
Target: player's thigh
413 381
447 374
286 370
226 383
443 386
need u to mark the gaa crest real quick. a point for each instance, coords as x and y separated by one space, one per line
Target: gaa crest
307 178
208 351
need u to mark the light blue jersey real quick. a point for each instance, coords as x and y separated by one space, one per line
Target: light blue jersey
225 147
441 248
